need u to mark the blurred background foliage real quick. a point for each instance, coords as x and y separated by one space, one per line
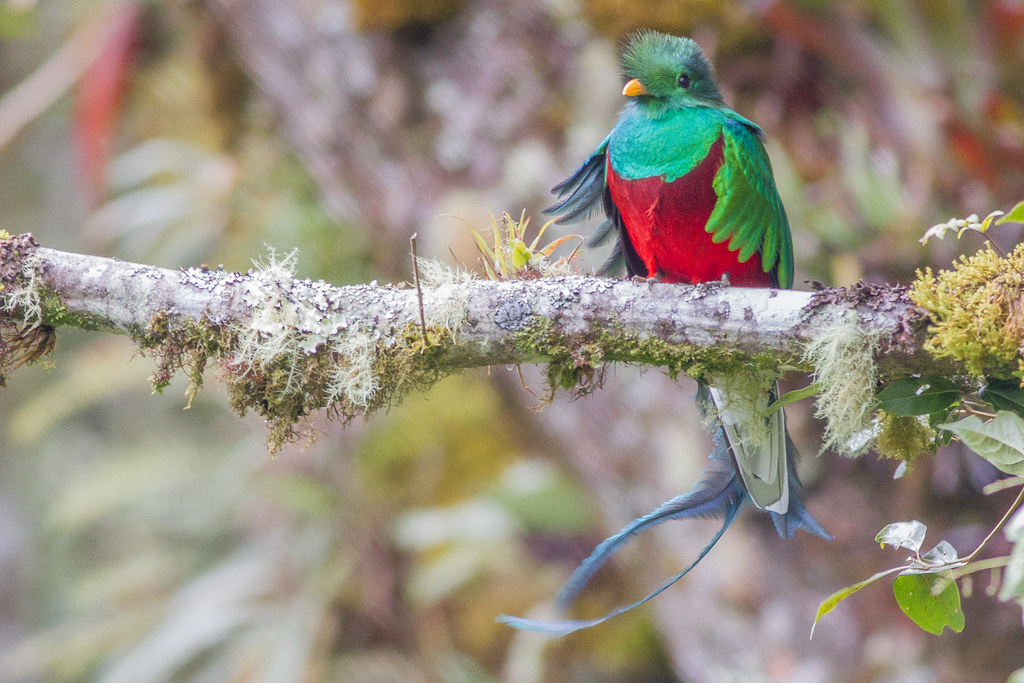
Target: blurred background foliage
140 542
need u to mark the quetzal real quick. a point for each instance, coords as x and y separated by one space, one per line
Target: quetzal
688 191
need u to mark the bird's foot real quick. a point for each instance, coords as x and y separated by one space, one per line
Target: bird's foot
712 285
648 280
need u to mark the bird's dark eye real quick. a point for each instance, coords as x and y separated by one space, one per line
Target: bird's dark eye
684 81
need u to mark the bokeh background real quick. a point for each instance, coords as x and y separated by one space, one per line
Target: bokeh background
141 542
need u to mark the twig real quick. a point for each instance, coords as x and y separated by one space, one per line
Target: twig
997 527
419 288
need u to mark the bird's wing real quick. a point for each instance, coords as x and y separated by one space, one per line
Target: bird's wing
581 196
749 212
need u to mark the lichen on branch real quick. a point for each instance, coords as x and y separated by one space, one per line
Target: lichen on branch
843 357
300 350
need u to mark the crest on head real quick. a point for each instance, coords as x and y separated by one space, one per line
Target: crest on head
672 70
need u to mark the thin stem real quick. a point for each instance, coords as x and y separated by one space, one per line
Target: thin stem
977 411
991 243
997 527
1007 483
419 288
980 566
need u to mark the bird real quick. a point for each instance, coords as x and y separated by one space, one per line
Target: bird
689 196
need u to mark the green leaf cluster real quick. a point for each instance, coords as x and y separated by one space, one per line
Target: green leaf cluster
511 258
973 224
914 418
924 589
927 588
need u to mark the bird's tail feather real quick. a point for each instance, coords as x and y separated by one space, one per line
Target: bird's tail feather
717 495
758 445
797 517
565 627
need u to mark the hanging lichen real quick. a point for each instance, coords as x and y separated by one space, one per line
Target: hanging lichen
844 367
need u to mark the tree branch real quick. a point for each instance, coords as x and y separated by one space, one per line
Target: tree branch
356 348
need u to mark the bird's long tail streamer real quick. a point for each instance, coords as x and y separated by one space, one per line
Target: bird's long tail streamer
717 495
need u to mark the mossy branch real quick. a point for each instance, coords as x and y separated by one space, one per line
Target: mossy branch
288 347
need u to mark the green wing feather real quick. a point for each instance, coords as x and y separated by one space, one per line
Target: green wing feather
749 212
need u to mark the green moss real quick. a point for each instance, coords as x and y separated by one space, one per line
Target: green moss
181 346
38 305
978 309
574 358
903 437
53 312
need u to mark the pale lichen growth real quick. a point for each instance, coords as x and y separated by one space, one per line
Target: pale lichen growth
304 348
448 300
281 320
273 332
844 366
25 333
26 297
290 333
352 379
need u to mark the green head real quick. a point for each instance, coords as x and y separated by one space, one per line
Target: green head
668 72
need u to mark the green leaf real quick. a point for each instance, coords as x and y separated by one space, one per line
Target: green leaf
930 600
942 436
903 535
792 397
918 395
987 222
1016 215
1004 394
829 603
520 253
1000 440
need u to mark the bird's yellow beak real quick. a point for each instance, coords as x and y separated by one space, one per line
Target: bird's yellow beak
634 88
